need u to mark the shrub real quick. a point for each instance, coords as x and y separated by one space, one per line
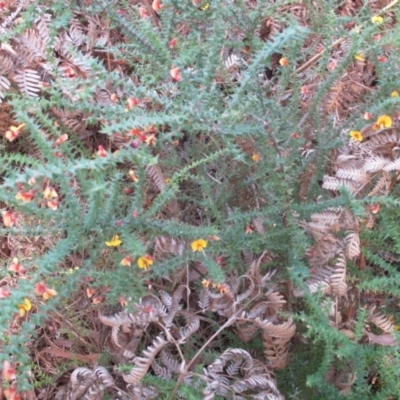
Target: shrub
204 178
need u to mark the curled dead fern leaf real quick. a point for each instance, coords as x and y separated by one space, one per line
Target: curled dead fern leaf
142 364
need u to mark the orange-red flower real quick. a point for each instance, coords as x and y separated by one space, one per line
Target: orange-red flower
26 197
101 152
49 193
368 116
249 230
126 261
122 301
53 204
143 13
206 283
41 289
151 140
90 291
63 138
176 74
223 288
157 6
374 208
284 62
332 65
172 43
4 293
9 218
145 262
97 299
133 176
132 102
214 237
69 71
11 393
16 267
9 371
304 90
137 132
14 132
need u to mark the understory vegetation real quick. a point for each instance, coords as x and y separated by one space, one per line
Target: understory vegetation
199 199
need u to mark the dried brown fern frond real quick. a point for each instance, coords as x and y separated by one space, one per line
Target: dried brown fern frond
352 241
74 120
86 384
343 378
28 81
350 88
32 48
6 118
338 277
192 326
365 168
349 7
165 246
156 175
174 305
248 289
4 86
76 32
149 310
142 364
204 300
169 361
246 330
332 183
236 372
258 224
379 320
275 339
118 319
139 391
320 280
253 269
326 248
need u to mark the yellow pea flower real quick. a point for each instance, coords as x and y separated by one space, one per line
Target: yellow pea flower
144 262
199 245
376 19
356 135
23 308
114 242
384 121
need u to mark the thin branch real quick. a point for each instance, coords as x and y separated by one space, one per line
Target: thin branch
182 375
336 43
270 136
